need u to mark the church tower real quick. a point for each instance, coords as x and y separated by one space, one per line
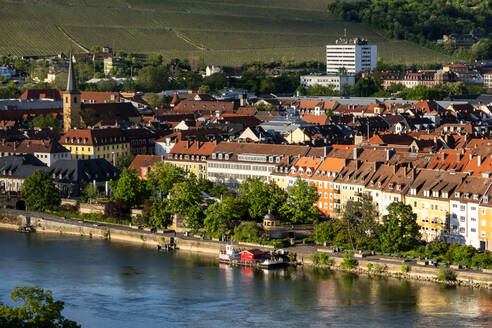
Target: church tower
71 102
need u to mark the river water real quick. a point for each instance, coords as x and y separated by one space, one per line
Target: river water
107 284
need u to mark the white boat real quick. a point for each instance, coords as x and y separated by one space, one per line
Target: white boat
273 261
229 254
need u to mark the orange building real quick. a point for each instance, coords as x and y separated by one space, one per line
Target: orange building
323 178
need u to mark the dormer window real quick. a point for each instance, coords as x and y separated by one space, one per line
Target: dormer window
398 187
270 159
277 159
435 194
220 155
308 172
467 195
475 196
301 171
426 193
457 194
413 191
293 170
226 156
214 155
390 186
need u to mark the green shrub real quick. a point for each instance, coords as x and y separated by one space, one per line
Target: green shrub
369 267
348 261
322 259
315 259
446 274
404 268
379 268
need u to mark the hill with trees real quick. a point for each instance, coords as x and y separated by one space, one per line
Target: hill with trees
223 32
424 21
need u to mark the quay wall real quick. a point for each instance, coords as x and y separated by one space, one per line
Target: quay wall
391 267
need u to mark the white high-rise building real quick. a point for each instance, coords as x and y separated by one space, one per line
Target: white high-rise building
355 55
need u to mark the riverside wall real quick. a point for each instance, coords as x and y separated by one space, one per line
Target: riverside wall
390 267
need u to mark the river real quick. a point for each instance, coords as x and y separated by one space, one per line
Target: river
107 284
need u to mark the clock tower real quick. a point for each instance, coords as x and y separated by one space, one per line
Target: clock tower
71 102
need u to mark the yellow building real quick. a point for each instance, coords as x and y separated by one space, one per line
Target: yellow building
107 143
485 220
429 196
191 156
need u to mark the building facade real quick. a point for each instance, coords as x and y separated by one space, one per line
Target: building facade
353 55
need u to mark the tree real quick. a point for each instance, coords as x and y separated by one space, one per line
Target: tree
220 216
327 231
124 161
40 192
156 101
481 50
364 87
90 191
299 209
10 91
117 209
162 178
248 232
183 196
153 79
46 121
359 218
399 231
130 188
38 309
159 215
261 197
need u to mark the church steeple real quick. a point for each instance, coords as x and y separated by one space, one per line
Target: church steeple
71 101
71 84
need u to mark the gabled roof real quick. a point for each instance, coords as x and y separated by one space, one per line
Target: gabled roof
21 166
144 161
86 170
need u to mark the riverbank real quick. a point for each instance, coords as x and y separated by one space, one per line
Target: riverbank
372 265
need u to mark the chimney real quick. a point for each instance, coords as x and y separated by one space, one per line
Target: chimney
198 144
357 164
389 153
188 143
479 160
356 152
458 157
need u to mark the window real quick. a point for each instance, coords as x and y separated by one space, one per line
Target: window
473 230
462 207
462 218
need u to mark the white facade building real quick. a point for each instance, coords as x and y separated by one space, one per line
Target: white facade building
337 81
164 145
355 55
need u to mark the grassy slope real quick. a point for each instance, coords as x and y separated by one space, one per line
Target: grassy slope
221 31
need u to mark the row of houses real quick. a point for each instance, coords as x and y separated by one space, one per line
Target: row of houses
449 191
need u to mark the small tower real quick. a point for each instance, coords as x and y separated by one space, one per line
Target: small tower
71 101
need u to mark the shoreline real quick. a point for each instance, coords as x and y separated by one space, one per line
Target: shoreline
383 267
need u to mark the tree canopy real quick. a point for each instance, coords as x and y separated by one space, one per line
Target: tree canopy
221 216
40 192
37 309
300 209
130 188
399 231
261 197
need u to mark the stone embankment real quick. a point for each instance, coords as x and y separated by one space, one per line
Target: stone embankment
373 265
12 219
